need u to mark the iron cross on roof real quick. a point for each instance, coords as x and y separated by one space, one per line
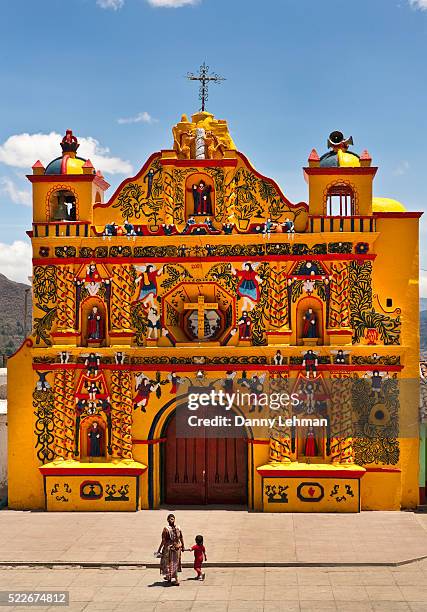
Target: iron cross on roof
205 78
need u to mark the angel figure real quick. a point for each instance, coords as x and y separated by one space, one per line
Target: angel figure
183 142
377 379
213 145
340 357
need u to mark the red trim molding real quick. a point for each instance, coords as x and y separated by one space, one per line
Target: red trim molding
342 171
69 178
118 334
349 473
250 441
149 442
190 367
386 470
40 261
398 215
91 471
201 163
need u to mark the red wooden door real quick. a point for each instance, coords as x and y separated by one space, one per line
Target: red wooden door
226 471
201 471
184 468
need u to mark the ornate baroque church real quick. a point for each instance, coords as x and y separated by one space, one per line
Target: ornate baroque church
200 269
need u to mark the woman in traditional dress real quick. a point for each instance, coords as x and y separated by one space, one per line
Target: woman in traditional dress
170 548
248 285
148 284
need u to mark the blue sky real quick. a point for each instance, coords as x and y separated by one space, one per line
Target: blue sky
295 69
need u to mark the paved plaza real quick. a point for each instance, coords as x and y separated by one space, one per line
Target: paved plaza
231 536
232 590
269 562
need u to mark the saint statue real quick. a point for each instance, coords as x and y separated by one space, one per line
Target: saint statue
95 438
202 199
94 325
93 279
309 329
310 444
244 324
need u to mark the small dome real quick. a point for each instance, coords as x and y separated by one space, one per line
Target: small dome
66 165
387 205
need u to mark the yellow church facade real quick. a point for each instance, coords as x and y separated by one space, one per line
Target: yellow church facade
196 276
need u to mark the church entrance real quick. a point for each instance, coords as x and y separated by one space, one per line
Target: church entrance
201 471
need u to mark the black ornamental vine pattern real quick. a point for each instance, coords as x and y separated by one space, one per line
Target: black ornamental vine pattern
43 404
218 176
261 312
45 295
363 314
134 203
376 422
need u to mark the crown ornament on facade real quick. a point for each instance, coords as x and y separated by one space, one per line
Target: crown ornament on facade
69 144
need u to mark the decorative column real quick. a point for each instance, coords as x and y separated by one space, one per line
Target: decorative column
122 410
280 437
64 414
200 143
341 420
279 331
66 305
116 416
339 329
347 451
127 412
123 289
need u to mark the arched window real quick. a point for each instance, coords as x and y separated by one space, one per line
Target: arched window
62 206
340 201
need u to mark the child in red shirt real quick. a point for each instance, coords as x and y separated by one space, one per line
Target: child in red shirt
199 553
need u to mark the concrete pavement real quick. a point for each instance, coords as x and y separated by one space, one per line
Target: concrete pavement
231 536
231 590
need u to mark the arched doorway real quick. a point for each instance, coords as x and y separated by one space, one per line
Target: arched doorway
204 470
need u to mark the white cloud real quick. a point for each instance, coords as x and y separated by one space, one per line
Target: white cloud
18 196
172 3
15 260
118 4
143 117
402 168
22 150
110 4
419 4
